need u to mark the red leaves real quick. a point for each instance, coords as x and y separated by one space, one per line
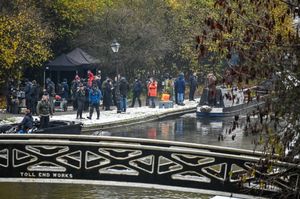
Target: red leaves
208 21
282 18
229 11
201 51
213 24
198 39
278 38
221 3
200 46
219 26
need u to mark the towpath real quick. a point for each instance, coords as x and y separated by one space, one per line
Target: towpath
110 119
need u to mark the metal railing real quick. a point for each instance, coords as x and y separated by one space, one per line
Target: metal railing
137 162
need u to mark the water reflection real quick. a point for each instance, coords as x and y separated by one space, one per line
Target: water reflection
189 128
75 191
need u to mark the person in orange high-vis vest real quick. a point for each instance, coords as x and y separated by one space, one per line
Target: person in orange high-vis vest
152 92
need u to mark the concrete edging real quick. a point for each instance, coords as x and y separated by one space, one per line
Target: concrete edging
139 120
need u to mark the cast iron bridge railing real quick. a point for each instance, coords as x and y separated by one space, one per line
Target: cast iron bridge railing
137 162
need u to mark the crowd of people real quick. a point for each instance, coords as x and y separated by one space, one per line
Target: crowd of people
87 94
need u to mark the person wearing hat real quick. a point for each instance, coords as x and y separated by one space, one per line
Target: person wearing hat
80 97
44 110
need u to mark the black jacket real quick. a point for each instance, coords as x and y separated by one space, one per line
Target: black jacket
124 87
81 96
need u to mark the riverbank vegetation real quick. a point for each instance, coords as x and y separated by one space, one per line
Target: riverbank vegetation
246 40
258 40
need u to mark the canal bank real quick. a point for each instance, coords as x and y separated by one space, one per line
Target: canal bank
135 115
111 119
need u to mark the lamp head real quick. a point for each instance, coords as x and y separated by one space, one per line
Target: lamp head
115 46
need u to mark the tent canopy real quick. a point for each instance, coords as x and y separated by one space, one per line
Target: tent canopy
73 61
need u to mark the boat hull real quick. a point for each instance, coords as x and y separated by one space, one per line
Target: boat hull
240 109
61 127
55 127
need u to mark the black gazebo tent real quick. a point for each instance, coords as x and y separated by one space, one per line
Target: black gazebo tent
76 61
73 61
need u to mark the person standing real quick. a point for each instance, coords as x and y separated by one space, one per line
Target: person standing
80 97
147 96
91 78
152 92
180 85
65 90
107 94
137 90
35 92
74 88
27 91
124 87
94 100
51 92
193 86
98 80
169 86
44 110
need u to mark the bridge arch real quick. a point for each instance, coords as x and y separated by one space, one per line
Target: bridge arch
134 162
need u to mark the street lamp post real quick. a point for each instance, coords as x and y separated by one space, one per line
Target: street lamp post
115 48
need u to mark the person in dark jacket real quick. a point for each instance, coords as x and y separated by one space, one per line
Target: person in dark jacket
26 123
180 85
107 94
193 86
116 93
50 88
124 88
80 97
35 92
94 99
8 93
44 110
65 90
98 81
27 91
146 85
74 88
137 90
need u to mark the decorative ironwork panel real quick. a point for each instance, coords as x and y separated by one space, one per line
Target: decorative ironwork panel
140 161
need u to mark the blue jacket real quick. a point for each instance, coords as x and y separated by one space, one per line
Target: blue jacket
137 87
27 122
65 91
94 96
180 84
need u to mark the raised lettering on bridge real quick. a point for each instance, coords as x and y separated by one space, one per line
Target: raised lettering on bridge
134 162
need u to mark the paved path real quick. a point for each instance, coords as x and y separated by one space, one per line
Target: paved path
110 119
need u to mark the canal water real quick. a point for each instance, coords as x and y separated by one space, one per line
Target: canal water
186 128
75 191
189 128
